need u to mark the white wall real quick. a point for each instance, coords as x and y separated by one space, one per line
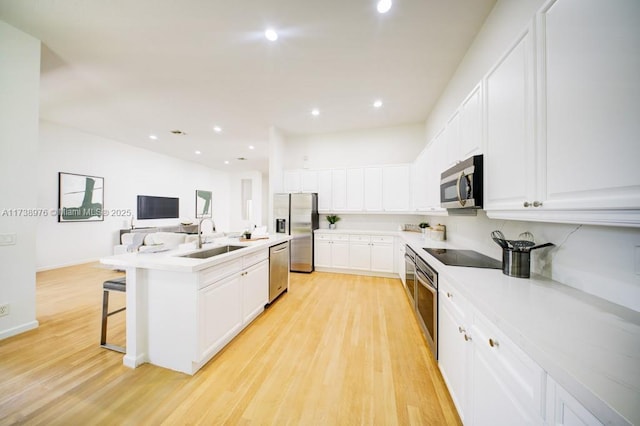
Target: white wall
19 105
388 145
127 172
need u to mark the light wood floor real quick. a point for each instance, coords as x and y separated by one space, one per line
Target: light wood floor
335 350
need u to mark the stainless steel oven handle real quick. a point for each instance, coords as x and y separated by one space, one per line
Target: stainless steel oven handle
462 201
425 281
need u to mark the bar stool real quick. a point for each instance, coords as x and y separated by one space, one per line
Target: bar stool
115 284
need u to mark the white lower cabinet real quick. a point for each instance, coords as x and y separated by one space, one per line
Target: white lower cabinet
356 252
255 294
231 295
565 410
491 381
331 251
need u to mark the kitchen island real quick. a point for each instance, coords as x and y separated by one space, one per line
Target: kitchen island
182 309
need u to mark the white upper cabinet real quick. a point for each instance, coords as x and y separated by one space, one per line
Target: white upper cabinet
419 180
435 167
396 189
339 189
451 138
471 125
355 189
309 180
291 181
325 193
373 188
589 54
509 160
567 151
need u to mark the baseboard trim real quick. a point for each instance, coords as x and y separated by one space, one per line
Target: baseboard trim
66 265
358 272
19 329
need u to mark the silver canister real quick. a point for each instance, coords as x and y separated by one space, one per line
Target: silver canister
516 263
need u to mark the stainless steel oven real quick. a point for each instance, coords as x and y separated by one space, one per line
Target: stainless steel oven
427 302
410 274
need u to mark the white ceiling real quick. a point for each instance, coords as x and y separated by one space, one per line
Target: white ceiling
125 69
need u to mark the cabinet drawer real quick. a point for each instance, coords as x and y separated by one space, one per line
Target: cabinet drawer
386 239
252 259
323 237
451 296
215 273
340 237
520 373
360 238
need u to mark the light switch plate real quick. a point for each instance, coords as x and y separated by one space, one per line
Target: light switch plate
7 239
637 257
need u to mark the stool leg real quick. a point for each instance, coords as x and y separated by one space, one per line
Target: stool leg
105 314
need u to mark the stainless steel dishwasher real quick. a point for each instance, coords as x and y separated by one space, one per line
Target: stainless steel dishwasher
278 270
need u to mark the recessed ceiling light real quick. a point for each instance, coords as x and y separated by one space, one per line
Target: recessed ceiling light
251 147
226 161
377 104
217 129
198 152
384 6
315 112
154 137
271 34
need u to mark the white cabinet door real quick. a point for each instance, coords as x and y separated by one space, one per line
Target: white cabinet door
325 194
355 189
435 166
309 181
471 125
322 252
292 181
340 254
419 181
255 290
452 140
360 252
510 157
564 410
339 189
382 258
373 189
396 189
219 314
590 68
453 355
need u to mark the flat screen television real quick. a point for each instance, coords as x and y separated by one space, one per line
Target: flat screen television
158 207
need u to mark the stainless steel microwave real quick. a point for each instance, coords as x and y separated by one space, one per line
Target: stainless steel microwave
461 185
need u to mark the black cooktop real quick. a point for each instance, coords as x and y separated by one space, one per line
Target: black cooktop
464 258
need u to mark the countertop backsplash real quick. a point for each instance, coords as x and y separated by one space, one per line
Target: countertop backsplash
599 260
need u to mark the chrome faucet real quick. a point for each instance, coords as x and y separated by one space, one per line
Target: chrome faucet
200 229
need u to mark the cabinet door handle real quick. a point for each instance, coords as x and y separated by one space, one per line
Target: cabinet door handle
493 343
537 203
526 204
467 338
449 295
461 330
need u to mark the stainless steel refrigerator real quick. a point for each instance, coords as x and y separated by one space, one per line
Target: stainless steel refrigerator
297 215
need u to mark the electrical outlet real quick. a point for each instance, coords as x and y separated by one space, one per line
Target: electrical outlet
4 309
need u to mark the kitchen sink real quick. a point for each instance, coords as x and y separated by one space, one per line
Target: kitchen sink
216 251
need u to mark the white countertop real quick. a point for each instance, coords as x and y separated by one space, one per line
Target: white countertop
590 346
171 260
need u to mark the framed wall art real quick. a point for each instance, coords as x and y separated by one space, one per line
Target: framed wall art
80 198
203 203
